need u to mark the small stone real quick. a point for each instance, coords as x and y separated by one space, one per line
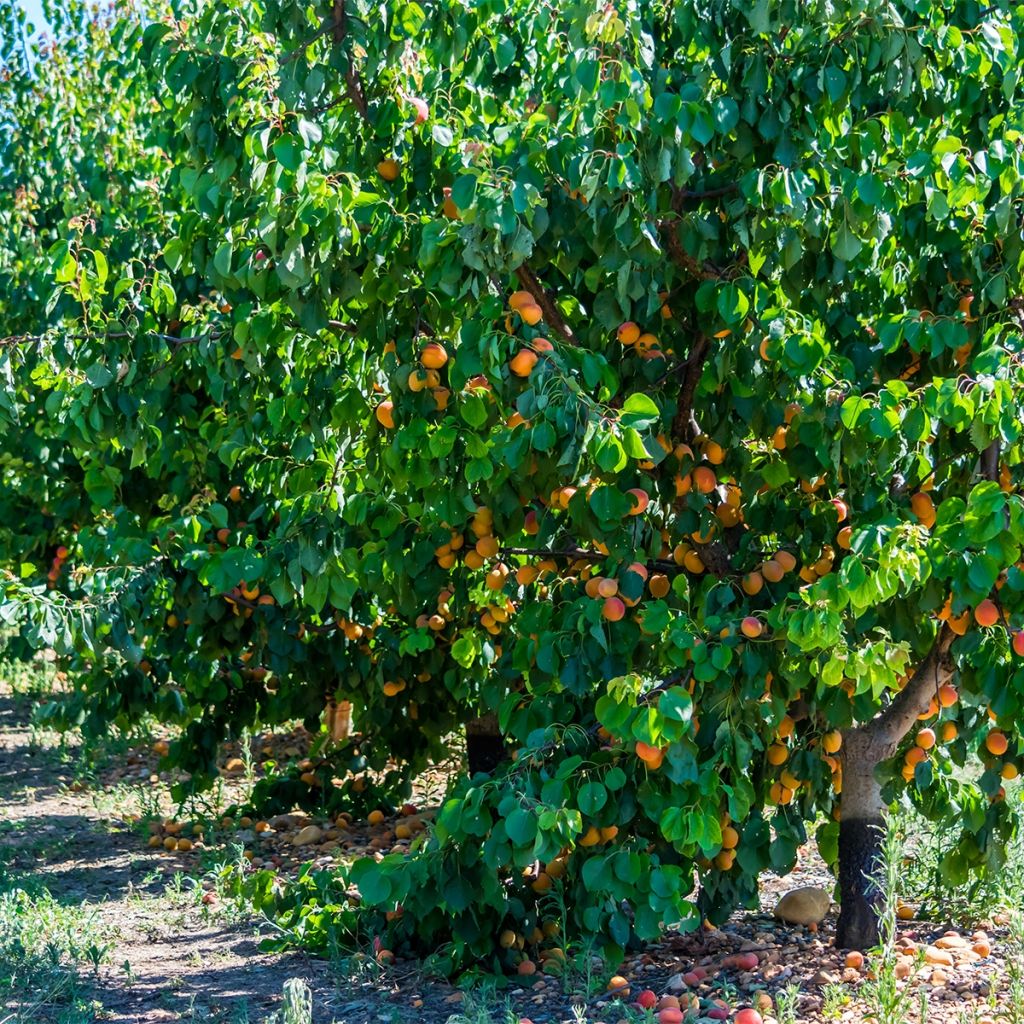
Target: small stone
310 834
851 975
234 764
455 997
804 906
940 957
675 984
938 978
951 941
823 978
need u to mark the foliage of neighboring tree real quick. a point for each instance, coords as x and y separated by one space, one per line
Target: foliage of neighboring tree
646 373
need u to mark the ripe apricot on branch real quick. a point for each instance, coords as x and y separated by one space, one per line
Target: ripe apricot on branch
640 500
628 333
996 743
651 756
923 507
433 356
704 479
531 314
831 742
523 362
986 614
751 627
385 415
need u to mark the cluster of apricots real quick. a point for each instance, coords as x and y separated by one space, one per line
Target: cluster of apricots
174 836
644 343
785 788
426 377
931 737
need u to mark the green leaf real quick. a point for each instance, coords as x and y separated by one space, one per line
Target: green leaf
98 375
592 797
442 135
222 259
521 827
845 244
102 269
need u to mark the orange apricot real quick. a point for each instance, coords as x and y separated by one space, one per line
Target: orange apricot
523 362
385 414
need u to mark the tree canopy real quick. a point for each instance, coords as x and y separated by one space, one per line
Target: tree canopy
645 373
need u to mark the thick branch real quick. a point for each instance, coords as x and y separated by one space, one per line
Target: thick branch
354 87
529 280
889 727
684 425
681 257
337 27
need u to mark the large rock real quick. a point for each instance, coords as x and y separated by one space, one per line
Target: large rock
310 834
807 905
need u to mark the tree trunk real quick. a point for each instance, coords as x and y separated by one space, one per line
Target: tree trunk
861 827
485 746
862 813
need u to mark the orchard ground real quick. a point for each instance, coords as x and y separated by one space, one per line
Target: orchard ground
99 922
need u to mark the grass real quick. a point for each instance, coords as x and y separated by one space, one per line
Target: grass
47 953
981 896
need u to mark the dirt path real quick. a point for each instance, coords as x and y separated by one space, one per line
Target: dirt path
167 960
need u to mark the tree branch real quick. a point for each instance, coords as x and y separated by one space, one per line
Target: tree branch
529 280
889 727
337 27
327 26
684 425
702 272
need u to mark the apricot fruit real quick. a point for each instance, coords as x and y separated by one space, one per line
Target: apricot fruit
628 333
523 362
986 614
996 743
433 356
385 415
751 627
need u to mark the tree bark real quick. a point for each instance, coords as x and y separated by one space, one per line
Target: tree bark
862 812
485 745
860 838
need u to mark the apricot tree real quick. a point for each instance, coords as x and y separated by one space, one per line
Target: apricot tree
636 383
